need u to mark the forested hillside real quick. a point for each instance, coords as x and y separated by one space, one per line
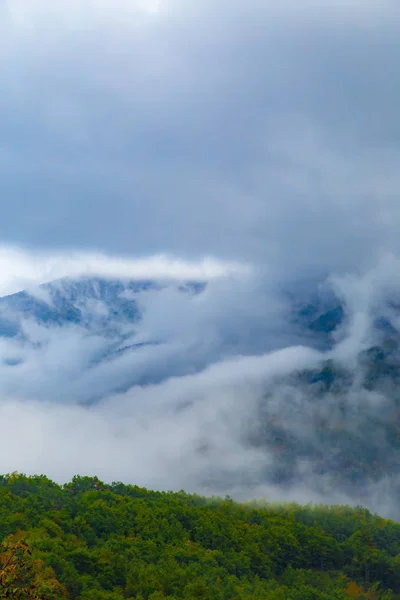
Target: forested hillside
91 541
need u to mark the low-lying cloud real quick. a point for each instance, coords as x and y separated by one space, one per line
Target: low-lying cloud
218 397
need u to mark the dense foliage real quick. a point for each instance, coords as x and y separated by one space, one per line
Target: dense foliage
93 541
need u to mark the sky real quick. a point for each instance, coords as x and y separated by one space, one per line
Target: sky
254 145
245 131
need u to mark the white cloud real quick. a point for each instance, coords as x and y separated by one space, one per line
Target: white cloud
146 435
20 268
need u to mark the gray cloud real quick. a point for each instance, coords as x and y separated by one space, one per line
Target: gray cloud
247 131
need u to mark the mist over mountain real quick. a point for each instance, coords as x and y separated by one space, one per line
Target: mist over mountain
231 386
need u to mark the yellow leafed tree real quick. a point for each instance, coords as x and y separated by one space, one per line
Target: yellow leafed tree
23 577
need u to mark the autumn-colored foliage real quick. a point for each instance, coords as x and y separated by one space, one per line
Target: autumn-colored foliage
22 577
353 590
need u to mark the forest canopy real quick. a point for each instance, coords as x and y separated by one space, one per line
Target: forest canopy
89 540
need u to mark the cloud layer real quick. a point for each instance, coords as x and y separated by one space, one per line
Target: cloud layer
21 269
247 131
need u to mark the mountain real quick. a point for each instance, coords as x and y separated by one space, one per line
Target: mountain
98 304
68 329
109 309
333 426
338 424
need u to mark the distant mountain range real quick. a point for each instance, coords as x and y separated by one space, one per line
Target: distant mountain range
339 421
113 309
108 312
94 303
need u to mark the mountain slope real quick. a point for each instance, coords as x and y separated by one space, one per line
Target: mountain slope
109 542
95 303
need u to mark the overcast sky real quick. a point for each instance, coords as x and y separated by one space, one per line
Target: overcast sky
255 131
